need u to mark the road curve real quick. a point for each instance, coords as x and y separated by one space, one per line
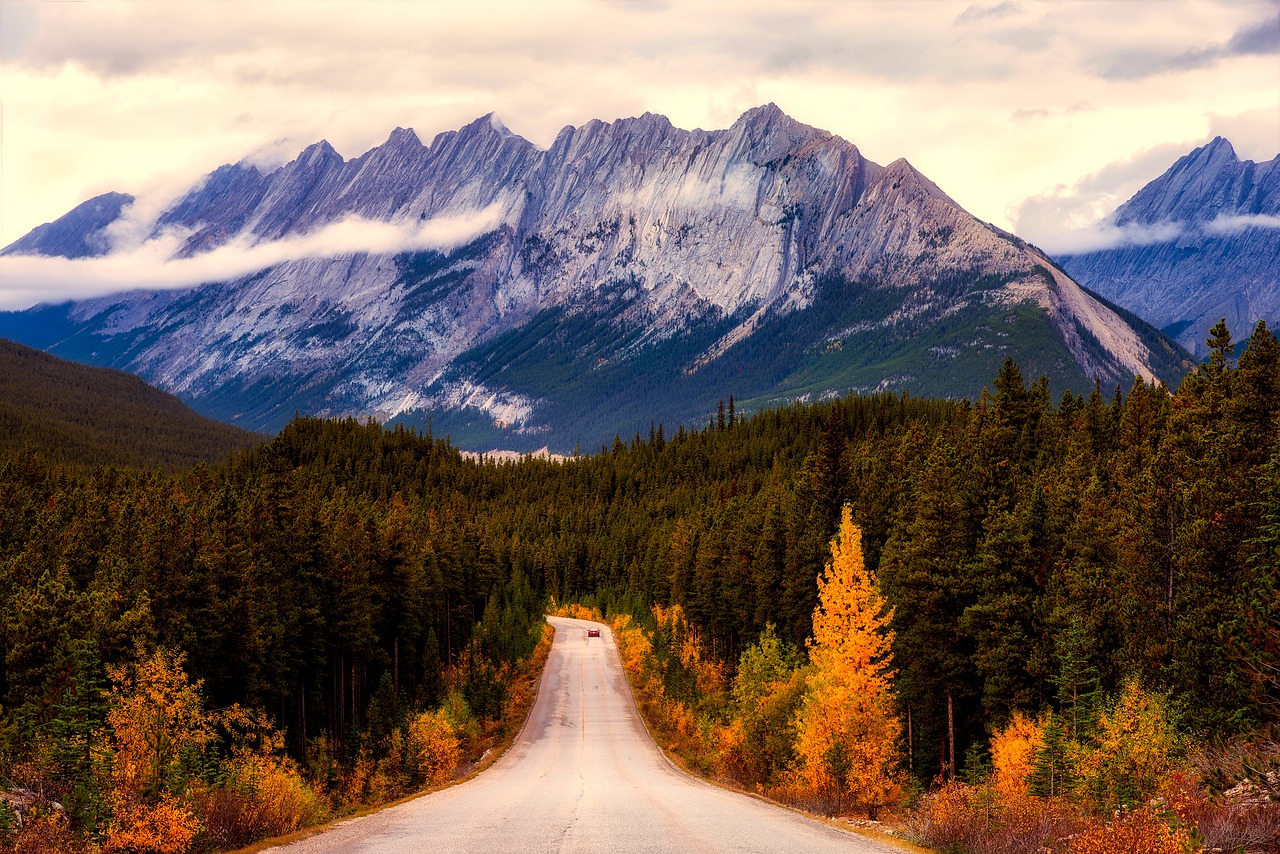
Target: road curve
583 776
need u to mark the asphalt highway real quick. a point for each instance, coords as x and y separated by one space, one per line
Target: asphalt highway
584 776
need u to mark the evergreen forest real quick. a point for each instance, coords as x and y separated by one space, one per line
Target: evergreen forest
335 604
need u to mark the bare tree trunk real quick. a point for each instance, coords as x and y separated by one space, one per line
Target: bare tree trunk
911 746
951 737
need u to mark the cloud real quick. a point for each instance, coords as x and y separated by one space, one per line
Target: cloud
978 12
1072 219
1104 235
151 265
1223 225
1259 38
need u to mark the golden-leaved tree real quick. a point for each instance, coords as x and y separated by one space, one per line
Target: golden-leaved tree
847 732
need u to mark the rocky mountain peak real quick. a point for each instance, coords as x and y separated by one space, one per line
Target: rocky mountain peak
79 233
629 272
1219 258
402 138
319 154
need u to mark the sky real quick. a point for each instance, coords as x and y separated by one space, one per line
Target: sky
1040 116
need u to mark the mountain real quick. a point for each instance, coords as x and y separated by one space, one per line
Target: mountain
96 416
1221 258
631 273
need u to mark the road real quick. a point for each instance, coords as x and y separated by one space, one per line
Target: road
584 776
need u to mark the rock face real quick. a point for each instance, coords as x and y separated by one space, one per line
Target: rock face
1222 255
631 273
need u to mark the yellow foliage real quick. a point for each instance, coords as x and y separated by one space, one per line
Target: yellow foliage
846 732
156 716
1134 748
282 801
166 827
577 611
1013 751
1141 830
433 747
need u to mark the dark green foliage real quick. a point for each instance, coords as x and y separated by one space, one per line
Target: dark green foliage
93 416
1050 772
1036 556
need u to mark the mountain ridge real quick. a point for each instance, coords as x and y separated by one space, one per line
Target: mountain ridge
644 235
1216 225
89 416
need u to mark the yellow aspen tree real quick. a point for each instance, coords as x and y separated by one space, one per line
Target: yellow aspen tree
847 732
1013 752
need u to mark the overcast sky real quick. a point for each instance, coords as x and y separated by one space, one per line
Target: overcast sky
1037 116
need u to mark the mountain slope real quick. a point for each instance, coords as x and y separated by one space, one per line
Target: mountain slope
632 272
1223 259
95 416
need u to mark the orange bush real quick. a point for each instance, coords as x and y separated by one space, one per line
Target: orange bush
1141 830
433 747
167 827
1013 751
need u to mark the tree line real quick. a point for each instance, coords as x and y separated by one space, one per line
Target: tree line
1034 553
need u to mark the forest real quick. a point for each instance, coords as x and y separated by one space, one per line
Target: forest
340 607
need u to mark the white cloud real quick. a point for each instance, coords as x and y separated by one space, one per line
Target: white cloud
31 279
1233 224
1104 235
105 95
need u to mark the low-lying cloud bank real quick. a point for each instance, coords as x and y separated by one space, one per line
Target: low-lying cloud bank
26 280
1106 235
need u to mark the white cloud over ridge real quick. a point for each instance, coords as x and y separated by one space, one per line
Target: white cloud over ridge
151 265
1106 235
104 96
1234 224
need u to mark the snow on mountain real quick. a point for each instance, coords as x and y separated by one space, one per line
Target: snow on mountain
632 270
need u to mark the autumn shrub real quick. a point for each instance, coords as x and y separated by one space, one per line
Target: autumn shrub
165 827
432 748
44 833
577 611
1244 819
523 688
1134 747
1013 751
983 820
1143 830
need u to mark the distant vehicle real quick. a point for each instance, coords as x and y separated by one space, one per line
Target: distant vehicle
593 633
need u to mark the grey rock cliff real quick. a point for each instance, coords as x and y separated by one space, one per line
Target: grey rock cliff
1224 260
625 250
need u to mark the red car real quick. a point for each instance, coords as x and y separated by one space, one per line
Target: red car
593 633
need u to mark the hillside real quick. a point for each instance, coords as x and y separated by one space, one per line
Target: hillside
95 416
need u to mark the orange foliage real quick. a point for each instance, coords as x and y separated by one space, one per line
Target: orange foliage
156 718
1013 751
576 611
1142 830
42 833
167 827
847 732
433 747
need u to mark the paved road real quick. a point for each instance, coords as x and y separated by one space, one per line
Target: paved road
584 776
